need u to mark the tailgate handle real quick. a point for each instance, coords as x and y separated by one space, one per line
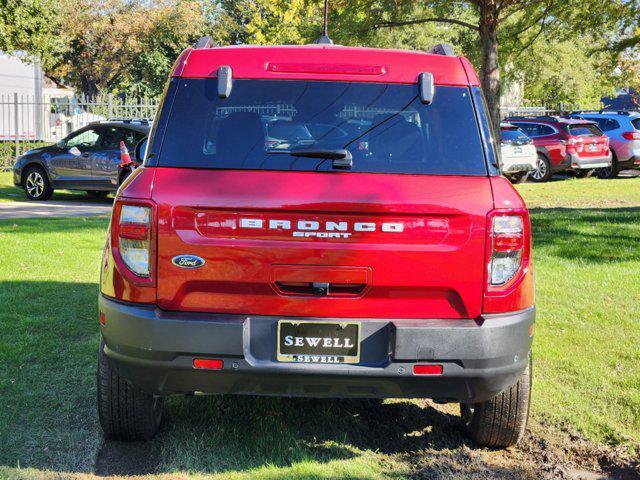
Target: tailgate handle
321 289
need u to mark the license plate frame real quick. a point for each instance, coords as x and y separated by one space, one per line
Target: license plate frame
320 354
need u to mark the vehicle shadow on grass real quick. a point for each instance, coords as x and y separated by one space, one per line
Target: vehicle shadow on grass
48 420
237 433
594 235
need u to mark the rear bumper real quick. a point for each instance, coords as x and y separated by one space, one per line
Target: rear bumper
582 163
154 350
517 167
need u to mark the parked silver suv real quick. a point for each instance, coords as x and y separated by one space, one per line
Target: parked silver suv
87 159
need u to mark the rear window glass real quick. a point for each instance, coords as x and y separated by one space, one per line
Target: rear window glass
584 130
606 124
535 129
514 135
636 123
385 127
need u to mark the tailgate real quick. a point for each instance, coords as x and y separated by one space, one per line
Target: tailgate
326 245
593 146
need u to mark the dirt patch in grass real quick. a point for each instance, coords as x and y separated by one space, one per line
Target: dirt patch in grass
544 453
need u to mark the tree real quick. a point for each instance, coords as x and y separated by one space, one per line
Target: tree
30 25
261 22
513 24
130 46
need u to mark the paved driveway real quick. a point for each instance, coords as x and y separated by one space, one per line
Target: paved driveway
53 209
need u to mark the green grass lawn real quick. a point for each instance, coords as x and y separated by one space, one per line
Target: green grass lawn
586 374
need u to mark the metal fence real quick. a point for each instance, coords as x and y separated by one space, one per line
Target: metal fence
532 111
27 121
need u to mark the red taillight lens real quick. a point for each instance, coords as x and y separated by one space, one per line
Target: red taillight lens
507 245
133 231
132 237
427 369
507 242
207 364
634 135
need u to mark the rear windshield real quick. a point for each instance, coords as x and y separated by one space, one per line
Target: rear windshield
584 130
514 135
385 127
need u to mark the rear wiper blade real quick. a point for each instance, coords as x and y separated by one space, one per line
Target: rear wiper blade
342 158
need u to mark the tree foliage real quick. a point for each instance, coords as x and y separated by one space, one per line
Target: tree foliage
572 51
30 25
116 45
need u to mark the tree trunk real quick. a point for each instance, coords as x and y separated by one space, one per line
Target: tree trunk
89 87
490 72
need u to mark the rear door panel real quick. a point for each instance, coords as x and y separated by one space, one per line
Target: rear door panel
389 246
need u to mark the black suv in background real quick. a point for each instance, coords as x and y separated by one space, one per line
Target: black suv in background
87 159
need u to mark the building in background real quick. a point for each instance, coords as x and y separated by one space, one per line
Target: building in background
32 105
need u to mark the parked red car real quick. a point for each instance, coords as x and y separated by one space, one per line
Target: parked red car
565 144
381 257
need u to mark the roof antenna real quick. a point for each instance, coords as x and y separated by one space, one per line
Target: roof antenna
324 38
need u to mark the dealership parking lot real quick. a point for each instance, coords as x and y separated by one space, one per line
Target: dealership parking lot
585 412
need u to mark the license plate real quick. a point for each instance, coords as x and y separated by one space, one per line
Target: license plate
517 151
593 148
318 342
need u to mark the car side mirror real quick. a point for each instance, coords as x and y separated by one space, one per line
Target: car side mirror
61 144
140 150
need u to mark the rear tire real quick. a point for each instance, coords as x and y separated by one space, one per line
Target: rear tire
542 172
501 421
36 184
126 412
611 172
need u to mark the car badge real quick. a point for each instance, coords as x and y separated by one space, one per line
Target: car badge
188 261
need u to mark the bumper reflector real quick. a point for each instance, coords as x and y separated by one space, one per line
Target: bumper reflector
103 320
427 369
207 363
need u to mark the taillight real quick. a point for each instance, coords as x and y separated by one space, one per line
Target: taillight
634 135
507 236
133 239
508 280
576 143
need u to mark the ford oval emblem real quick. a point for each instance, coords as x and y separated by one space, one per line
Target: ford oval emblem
188 261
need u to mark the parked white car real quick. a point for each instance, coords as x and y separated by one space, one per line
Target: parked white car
519 154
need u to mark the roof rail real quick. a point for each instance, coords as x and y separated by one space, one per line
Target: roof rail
534 117
442 49
204 42
141 121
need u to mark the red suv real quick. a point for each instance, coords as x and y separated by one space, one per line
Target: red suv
565 144
376 255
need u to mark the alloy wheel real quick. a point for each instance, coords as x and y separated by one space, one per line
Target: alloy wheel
540 171
35 184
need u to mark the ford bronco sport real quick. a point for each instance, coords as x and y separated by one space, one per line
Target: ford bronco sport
372 250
